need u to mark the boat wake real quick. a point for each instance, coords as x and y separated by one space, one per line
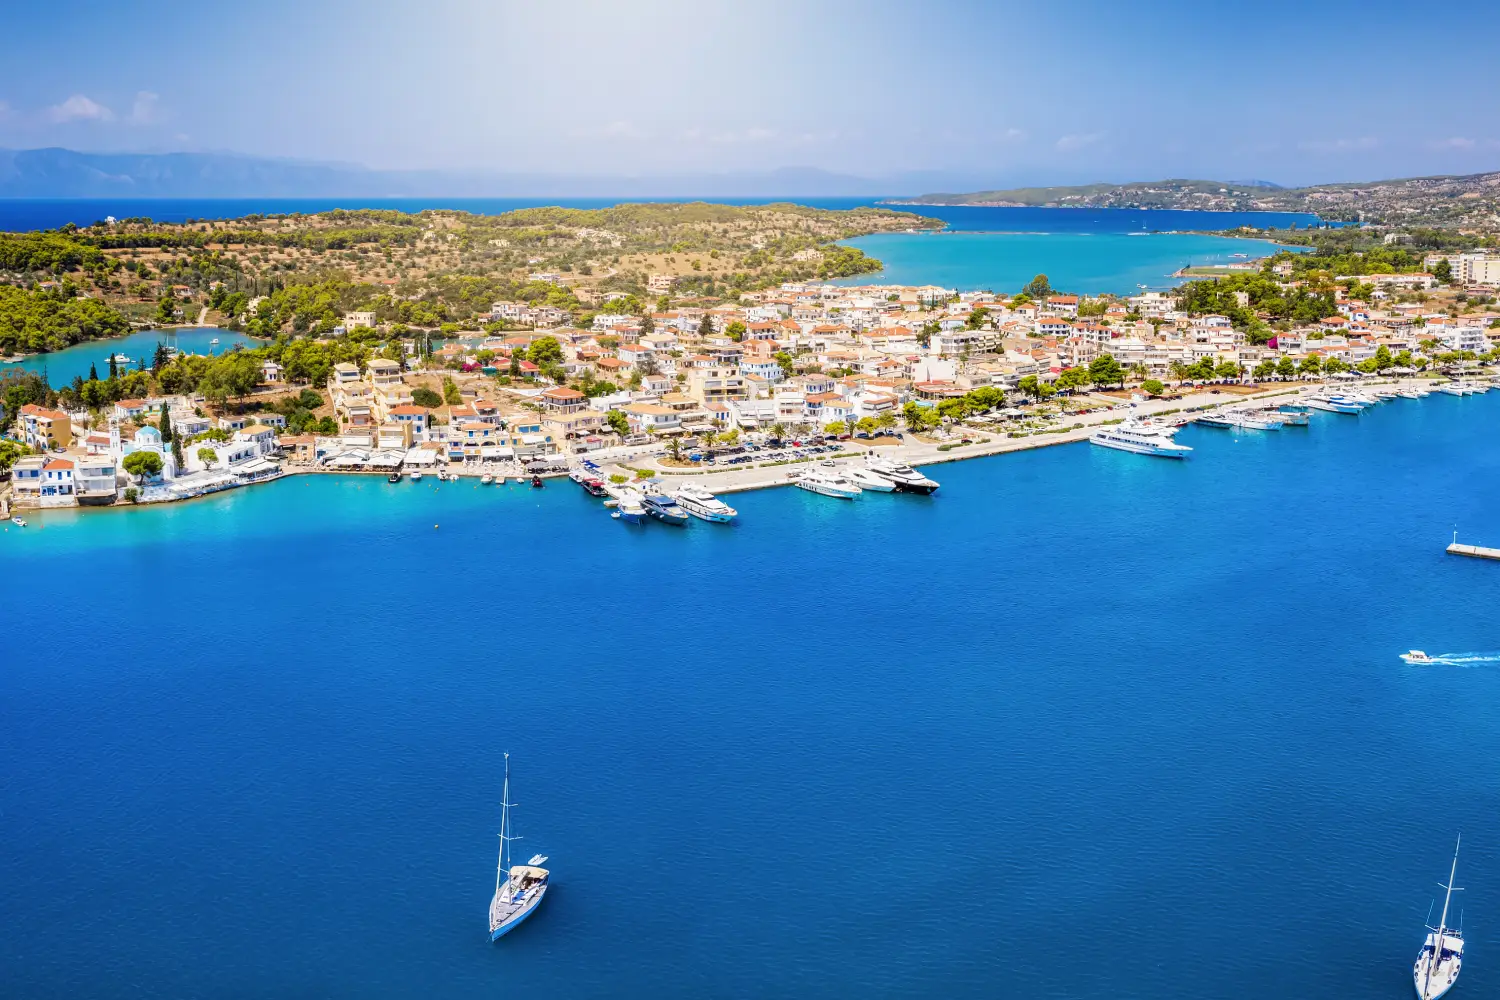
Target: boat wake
1461 659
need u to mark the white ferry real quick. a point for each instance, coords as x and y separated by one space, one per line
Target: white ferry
1142 439
702 504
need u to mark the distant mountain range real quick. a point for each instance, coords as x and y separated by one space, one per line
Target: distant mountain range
1436 201
65 173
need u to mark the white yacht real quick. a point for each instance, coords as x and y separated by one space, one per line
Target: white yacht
869 479
1416 656
828 484
1453 389
1254 421
907 479
1411 394
1436 968
1142 439
702 504
1329 404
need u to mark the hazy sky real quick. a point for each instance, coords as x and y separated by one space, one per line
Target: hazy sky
993 92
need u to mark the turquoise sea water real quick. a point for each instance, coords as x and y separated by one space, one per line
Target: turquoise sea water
1080 262
1082 725
62 366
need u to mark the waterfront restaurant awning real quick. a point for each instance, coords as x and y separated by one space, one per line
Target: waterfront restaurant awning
257 467
496 451
355 459
421 456
386 458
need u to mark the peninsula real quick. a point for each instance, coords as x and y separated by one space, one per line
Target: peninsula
1449 201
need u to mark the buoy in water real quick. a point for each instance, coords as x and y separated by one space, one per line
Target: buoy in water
434 527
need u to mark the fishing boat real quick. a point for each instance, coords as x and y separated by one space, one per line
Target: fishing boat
869 479
536 483
19 522
593 487
702 504
1416 656
664 509
1437 965
1140 439
907 479
518 888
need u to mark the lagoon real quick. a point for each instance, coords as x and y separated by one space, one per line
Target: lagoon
1108 726
61 367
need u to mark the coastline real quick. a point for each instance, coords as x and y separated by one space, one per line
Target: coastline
916 453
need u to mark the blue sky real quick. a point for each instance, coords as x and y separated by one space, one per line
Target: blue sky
991 93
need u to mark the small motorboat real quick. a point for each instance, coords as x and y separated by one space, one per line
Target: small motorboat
416 477
394 477
594 487
1416 656
19 522
486 479
536 482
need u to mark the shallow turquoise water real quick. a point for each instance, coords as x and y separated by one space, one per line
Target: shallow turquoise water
1083 263
1084 721
62 366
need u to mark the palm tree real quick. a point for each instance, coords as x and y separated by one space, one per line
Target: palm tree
778 430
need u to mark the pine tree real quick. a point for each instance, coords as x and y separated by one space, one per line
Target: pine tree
93 373
113 371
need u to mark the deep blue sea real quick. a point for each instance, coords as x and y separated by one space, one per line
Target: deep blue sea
1082 725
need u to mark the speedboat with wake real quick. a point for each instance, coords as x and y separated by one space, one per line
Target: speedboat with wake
1437 965
907 479
1417 656
702 504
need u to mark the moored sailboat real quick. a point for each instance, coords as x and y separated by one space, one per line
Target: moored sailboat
518 888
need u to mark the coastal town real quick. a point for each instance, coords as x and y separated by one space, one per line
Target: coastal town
676 387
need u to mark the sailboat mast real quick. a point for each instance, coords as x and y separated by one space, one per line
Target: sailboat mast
1442 927
504 819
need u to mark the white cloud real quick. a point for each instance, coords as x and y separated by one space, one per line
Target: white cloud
1013 135
146 109
1339 145
1073 143
78 109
